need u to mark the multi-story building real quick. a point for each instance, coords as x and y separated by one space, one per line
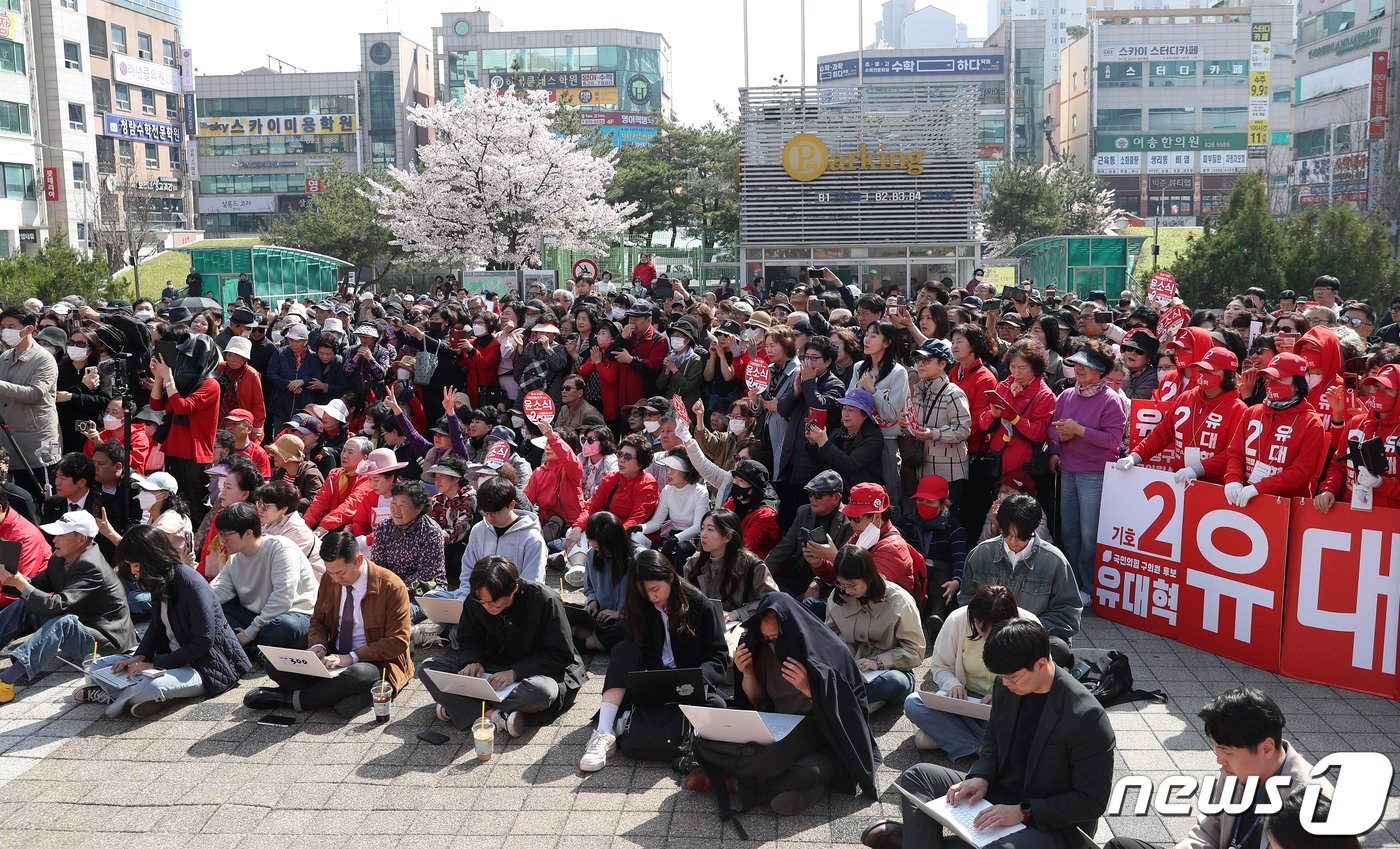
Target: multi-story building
22 221
1030 66
265 137
1344 51
618 80
902 27
1055 17
1183 101
396 72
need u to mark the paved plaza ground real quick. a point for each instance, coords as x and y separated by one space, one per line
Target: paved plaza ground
205 775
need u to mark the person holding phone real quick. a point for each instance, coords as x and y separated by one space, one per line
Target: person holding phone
818 522
189 393
79 396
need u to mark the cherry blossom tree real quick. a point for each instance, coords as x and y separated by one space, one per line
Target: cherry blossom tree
495 181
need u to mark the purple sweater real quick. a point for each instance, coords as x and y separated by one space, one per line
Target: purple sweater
1103 420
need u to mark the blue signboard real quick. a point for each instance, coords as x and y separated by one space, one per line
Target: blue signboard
139 129
913 66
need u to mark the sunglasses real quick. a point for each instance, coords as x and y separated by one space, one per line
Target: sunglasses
622 456
590 440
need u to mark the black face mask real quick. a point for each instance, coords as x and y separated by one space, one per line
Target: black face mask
436 328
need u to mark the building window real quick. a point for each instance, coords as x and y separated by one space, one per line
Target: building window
1118 120
126 152
175 159
148 102
172 107
11 56
167 52
1224 118
1074 123
72 56
12 5
152 155
1172 119
118 39
71 5
79 175
123 97
19 181
97 38
143 46
106 155
14 117
101 95
77 117
383 102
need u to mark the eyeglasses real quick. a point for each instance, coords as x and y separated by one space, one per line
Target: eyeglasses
574 388
1355 321
622 456
815 496
813 358
590 440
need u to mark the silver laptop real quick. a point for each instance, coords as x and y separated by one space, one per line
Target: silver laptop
725 725
465 685
444 611
297 662
962 707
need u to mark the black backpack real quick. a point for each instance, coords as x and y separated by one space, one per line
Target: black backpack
1108 675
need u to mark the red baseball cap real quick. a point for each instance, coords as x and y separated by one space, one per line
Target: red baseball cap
1181 340
1388 376
1017 480
932 488
1286 366
1219 359
866 498
239 414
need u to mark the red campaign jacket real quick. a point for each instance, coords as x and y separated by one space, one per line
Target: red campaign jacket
637 377
481 368
1197 422
1279 452
1036 407
975 382
609 383
632 501
1176 380
194 441
1341 474
759 528
332 498
557 488
891 555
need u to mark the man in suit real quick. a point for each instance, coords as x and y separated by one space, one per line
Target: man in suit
360 624
76 602
1046 762
74 486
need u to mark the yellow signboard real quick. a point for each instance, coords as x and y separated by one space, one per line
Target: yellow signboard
1259 84
806 157
277 125
585 96
1259 131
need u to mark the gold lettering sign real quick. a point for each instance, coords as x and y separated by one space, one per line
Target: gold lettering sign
806 157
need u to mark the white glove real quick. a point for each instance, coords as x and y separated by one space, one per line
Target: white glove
1245 495
1232 493
1188 474
682 432
1366 479
640 539
1126 463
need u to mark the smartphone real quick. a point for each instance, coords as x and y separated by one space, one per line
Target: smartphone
278 720
456 338
90 371
819 537
153 672
814 273
429 736
1349 380
816 418
1103 317
992 305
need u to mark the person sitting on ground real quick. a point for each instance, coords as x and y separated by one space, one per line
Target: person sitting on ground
288 454
879 622
1013 483
868 509
511 533
724 569
1286 829
335 503
630 493
74 605
1046 762
409 543
787 662
276 505
267 588
790 561
670 625
384 470
942 540
683 503
239 422
188 637
515 631
556 486
611 556
957 670
360 625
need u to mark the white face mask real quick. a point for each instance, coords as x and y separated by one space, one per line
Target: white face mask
754 335
10 336
651 426
144 315
868 537
74 353
404 374
517 422
677 344
111 422
616 314
531 321
1162 374
147 500
479 329
368 430
738 426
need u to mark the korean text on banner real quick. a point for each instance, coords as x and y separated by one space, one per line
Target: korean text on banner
1137 575
1344 599
539 407
1144 417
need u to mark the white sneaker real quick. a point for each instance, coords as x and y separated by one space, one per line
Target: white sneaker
427 634
924 742
512 723
595 755
573 576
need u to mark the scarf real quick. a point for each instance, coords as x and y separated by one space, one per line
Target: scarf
229 380
1089 391
1285 405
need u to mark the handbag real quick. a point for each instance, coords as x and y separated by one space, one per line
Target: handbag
423 367
984 466
656 733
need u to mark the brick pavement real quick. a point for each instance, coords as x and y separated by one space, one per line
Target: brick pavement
205 775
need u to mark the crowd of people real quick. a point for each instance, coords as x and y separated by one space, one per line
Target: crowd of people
797 487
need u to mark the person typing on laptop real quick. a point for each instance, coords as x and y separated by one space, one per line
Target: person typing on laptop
360 624
1046 762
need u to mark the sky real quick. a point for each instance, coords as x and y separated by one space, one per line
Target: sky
706 38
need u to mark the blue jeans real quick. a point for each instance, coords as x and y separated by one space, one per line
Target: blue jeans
958 736
1080 495
889 686
138 601
182 683
65 634
287 631
15 620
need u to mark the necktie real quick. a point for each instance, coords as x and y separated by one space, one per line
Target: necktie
74 507
345 637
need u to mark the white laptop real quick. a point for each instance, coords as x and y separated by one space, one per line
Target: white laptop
962 707
960 820
725 725
297 661
444 611
465 685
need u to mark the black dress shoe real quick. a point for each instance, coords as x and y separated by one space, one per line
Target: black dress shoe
933 623
267 698
886 834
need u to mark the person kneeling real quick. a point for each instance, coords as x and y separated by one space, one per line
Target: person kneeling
879 622
531 647
360 625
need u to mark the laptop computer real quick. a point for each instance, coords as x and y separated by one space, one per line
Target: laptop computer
115 680
444 611
667 686
297 661
465 685
962 707
725 725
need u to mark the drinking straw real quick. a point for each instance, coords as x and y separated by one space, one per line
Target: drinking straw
483 711
383 673
94 651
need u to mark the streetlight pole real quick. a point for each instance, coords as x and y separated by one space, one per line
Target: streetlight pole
87 181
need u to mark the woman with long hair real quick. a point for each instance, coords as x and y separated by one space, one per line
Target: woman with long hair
670 625
188 636
725 569
610 557
956 670
879 622
883 375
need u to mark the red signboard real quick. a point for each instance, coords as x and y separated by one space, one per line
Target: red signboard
1161 289
682 414
539 407
585 268
497 454
50 184
314 185
756 376
1380 73
1143 419
1171 321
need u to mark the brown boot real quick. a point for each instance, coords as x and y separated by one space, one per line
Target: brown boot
698 782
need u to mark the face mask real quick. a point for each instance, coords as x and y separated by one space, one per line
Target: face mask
1209 379
531 321
517 422
677 344
10 336
368 430
147 500
74 353
277 337
868 537
928 512
144 315
479 329
404 374
1314 381
745 495
1162 374
1278 390
605 342
244 333
651 426
1068 371
738 426
591 449
1380 402
754 335
111 422
436 328
617 314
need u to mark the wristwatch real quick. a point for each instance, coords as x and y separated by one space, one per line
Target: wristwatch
1025 812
